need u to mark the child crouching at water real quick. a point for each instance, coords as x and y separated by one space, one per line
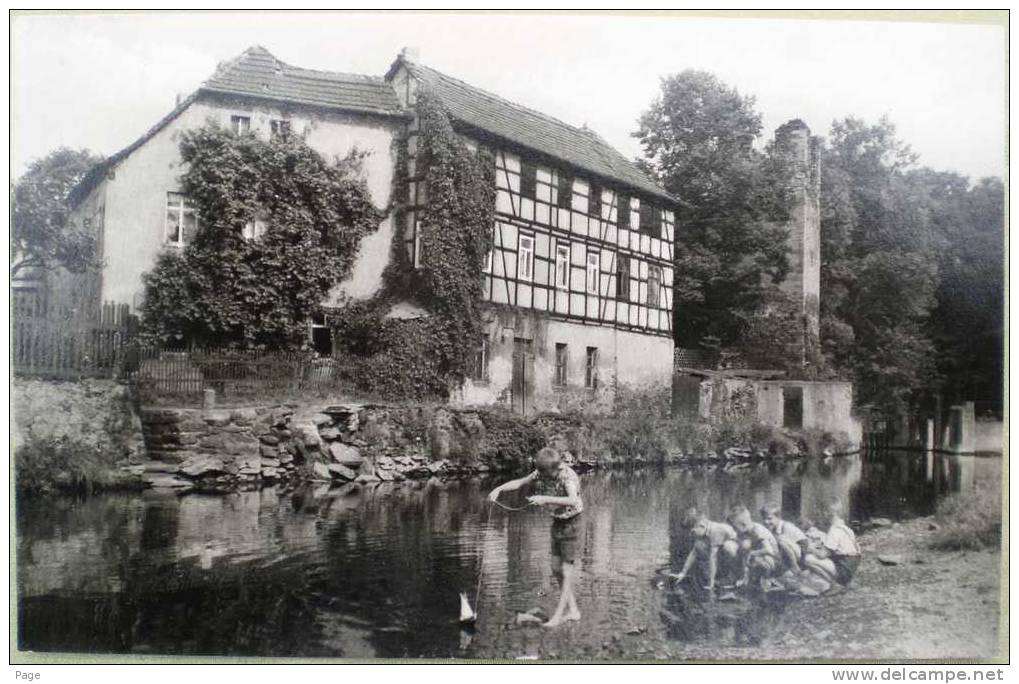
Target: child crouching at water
559 488
791 540
837 559
715 544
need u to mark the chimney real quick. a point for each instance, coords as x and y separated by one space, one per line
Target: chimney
177 99
411 54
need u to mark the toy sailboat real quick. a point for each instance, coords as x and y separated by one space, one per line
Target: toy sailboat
467 614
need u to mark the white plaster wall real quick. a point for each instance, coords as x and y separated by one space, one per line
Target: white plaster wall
136 195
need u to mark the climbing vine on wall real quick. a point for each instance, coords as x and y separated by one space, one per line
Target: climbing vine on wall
277 227
428 356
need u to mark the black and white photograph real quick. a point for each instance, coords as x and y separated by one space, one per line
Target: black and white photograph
509 337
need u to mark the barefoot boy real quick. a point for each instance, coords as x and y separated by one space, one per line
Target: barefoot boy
837 559
792 543
757 546
711 540
559 488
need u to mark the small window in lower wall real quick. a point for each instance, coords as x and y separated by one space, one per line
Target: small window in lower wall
591 369
562 358
479 369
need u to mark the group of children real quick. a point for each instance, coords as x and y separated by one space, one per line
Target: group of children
773 554
768 555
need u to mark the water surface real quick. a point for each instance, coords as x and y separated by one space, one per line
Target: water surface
375 572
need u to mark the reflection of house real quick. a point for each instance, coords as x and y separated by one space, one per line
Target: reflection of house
579 282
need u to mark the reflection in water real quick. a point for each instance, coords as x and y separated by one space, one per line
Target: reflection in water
360 572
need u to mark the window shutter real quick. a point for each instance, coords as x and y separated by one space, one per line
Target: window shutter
565 189
622 211
594 200
528 178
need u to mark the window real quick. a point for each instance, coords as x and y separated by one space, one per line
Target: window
650 220
525 257
565 197
417 244
562 358
479 370
594 200
562 266
181 220
654 284
279 128
240 125
591 368
792 407
528 179
491 251
592 271
623 277
623 211
254 229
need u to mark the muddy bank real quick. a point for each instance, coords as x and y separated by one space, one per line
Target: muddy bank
928 604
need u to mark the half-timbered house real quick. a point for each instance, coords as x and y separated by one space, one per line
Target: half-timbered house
579 278
578 283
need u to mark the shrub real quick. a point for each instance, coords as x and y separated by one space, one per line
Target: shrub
969 520
510 441
43 466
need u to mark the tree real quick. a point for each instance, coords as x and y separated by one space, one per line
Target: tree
279 227
42 236
698 138
879 270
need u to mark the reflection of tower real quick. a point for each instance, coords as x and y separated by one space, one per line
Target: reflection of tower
800 152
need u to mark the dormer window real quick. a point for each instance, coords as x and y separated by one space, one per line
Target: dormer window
240 125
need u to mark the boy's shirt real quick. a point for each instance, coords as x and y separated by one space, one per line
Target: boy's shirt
555 485
718 533
841 540
761 538
786 530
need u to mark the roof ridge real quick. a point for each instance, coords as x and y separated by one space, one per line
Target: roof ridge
500 98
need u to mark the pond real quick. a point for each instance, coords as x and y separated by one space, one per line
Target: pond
375 572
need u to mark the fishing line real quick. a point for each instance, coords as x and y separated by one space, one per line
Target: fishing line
481 558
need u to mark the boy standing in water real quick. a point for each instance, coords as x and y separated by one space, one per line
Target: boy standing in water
559 488
711 539
838 558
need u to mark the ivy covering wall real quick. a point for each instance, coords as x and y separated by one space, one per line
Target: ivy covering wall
429 356
278 227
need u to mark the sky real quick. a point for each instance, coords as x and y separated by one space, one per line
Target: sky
100 81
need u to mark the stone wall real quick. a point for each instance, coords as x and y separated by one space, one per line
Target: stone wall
90 413
218 450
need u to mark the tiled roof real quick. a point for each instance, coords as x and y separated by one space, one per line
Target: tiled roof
257 73
579 147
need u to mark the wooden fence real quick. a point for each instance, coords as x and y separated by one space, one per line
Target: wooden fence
185 373
59 349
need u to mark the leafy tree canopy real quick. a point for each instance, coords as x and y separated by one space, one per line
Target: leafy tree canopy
698 138
42 236
305 218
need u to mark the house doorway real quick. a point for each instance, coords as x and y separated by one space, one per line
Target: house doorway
522 385
321 335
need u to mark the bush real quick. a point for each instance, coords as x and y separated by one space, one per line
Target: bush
969 520
510 441
43 466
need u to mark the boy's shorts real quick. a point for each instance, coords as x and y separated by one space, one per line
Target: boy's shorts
566 538
845 567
